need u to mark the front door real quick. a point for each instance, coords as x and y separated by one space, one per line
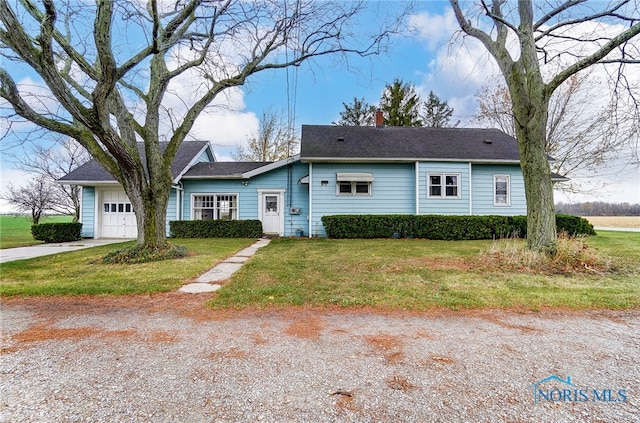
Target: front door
272 216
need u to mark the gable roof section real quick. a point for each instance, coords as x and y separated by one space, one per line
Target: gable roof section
222 170
92 172
235 170
406 144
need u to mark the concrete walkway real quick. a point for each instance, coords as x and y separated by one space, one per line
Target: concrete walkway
21 253
207 282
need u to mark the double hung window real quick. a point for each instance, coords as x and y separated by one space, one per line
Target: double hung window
443 185
501 190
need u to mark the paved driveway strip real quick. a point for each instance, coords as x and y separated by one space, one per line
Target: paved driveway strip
22 253
167 358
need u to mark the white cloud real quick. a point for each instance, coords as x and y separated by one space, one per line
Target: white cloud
8 176
225 127
434 29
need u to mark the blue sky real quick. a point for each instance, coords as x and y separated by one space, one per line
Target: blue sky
426 59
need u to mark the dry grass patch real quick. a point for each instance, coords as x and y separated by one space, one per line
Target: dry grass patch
573 255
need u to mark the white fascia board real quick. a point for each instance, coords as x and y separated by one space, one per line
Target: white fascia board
404 160
88 183
192 162
236 176
270 166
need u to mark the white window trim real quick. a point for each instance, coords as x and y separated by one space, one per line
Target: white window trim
195 194
443 178
495 202
353 192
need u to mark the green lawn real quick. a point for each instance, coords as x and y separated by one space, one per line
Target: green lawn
82 272
421 274
15 231
384 274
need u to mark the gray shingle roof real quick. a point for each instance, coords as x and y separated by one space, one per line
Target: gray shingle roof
93 171
222 169
330 142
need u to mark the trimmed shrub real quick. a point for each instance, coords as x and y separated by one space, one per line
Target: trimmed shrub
441 227
57 232
574 225
215 229
140 254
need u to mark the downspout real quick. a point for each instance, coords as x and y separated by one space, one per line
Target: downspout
179 199
470 190
310 198
417 172
96 214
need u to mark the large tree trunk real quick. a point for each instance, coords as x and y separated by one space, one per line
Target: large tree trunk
541 222
149 201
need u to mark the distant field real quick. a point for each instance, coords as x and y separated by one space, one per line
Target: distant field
15 231
614 221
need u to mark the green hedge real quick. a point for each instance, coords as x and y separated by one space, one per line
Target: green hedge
215 228
441 227
57 232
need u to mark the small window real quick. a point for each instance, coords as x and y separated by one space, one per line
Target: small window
435 186
106 207
120 207
113 207
451 189
271 203
443 185
362 187
501 189
354 188
127 208
344 187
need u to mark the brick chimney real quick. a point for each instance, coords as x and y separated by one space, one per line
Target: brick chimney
379 119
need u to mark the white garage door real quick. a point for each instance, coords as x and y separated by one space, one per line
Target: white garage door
118 219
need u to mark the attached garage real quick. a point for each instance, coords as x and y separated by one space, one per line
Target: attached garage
117 219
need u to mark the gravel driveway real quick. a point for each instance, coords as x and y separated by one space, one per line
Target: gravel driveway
167 358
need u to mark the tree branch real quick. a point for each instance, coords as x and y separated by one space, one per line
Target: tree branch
594 58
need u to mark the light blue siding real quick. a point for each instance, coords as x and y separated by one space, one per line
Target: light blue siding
205 156
171 209
283 178
392 191
483 195
87 211
446 206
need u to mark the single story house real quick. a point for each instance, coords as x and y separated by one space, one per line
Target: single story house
339 170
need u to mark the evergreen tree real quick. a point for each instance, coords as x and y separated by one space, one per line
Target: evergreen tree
359 113
437 113
400 104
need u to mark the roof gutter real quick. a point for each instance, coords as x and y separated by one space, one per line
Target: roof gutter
403 160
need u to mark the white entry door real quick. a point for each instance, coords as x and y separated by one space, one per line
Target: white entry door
118 218
272 213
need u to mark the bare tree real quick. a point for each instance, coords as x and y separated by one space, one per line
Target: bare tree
36 197
119 72
358 113
53 163
274 141
537 34
583 130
